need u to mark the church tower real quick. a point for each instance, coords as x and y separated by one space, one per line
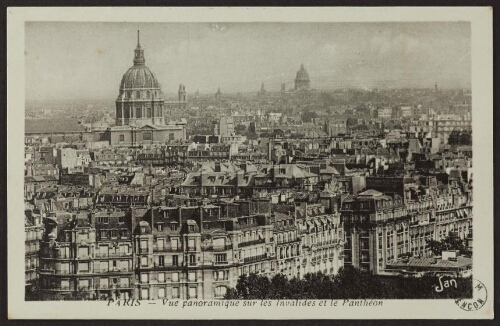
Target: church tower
140 100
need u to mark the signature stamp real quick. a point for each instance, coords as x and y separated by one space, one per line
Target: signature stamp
478 300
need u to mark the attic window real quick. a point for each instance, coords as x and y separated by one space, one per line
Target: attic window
191 228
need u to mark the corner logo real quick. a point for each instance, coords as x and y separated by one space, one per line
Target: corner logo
479 297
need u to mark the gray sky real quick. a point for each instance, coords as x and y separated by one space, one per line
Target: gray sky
87 60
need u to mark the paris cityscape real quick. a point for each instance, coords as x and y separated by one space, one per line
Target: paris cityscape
321 166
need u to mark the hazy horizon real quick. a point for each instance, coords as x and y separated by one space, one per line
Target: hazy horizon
87 60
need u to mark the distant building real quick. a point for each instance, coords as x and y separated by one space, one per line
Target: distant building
218 95
385 113
406 111
140 108
225 127
302 82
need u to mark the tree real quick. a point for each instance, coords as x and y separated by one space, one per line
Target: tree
308 116
33 292
349 283
240 129
451 242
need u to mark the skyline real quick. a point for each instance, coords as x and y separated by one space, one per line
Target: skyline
87 60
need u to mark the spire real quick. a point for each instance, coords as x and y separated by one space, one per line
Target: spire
139 59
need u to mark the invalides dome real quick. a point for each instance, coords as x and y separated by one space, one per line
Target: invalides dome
140 100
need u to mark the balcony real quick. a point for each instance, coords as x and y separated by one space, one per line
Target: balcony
218 248
113 255
251 242
47 271
166 249
254 258
144 250
219 263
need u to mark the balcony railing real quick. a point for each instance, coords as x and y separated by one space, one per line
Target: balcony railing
218 248
225 262
254 258
112 255
166 249
251 242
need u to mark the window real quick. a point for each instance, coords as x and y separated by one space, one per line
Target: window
192 277
192 293
144 261
220 291
83 252
144 278
64 268
192 259
161 277
104 283
175 260
191 244
160 227
104 265
104 234
138 112
148 111
161 244
124 281
138 94
83 267
161 293
123 249
144 244
175 293
161 261
175 277
122 137
124 265
144 294
220 258
83 284
64 284
171 136
173 226
147 135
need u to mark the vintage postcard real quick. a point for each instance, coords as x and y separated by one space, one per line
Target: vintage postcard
208 163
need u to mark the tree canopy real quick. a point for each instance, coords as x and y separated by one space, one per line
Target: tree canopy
451 242
349 283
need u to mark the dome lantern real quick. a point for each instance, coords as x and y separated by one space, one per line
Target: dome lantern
139 59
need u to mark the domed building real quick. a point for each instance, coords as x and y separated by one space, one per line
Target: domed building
140 107
140 101
302 82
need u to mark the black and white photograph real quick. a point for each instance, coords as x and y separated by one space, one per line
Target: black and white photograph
235 165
